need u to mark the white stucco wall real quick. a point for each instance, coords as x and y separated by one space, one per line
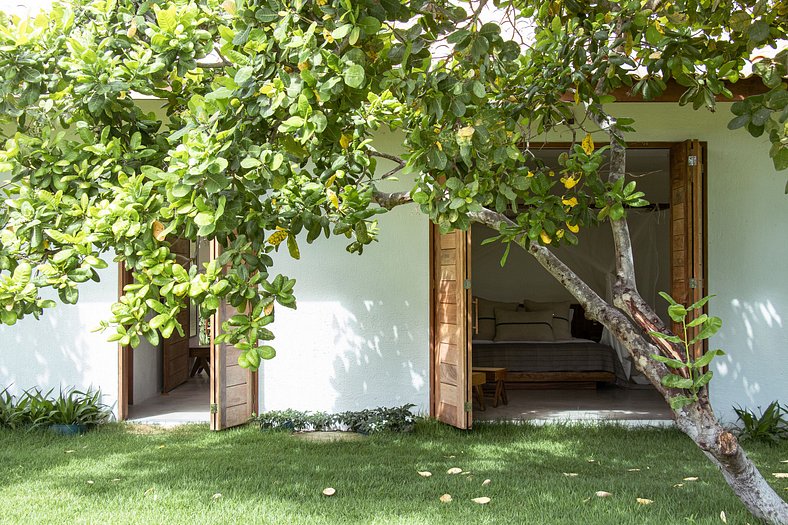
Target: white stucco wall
147 366
61 350
360 335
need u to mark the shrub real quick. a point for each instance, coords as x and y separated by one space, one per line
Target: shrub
396 419
35 409
771 426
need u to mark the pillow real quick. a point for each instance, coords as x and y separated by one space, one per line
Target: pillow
562 326
523 326
486 317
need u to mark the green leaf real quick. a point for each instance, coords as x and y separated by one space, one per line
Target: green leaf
710 327
700 303
674 381
369 24
697 321
354 76
679 402
159 320
706 358
703 380
666 337
667 297
22 273
292 247
672 363
167 19
267 352
243 75
677 312
203 219
758 31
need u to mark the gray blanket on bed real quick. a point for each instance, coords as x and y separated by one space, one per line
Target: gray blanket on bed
549 357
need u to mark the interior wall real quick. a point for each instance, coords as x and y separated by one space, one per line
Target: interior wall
593 258
147 363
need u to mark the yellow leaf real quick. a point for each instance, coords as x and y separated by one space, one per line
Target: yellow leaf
644 501
484 500
329 491
303 65
570 474
530 174
723 517
570 202
570 182
229 6
331 180
425 474
486 482
780 475
559 234
132 29
327 36
577 96
440 146
602 494
545 238
446 498
267 89
268 310
333 198
574 228
454 470
588 144
344 141
693 478
466 132
158 231
277 237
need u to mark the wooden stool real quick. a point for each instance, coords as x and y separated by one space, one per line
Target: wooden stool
201 355
494 375
477 380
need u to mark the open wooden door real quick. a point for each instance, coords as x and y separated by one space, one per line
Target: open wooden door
687 224
233 389
125 358
176 349
451 344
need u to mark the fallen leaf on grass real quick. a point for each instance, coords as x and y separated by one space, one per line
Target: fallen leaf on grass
591 460
780 475
677 485
425 474
454 470
723 517
644 501
70 451
570 474
484 500
218 495
486 482
784 461
633 470
691 478
115 479
446 498
329 491
602 494
162 446
90 482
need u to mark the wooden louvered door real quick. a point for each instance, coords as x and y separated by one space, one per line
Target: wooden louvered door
451 345
233 389
175 350
687 225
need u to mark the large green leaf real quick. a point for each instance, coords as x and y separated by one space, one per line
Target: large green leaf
354 76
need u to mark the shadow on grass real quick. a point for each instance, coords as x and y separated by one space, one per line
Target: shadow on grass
539 474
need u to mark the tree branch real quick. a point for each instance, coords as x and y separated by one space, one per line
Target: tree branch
391 200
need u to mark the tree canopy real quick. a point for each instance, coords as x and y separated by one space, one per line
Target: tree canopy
271 107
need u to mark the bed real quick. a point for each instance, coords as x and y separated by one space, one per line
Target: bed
572 360
575 355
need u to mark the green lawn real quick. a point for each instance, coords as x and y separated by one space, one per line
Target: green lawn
126 474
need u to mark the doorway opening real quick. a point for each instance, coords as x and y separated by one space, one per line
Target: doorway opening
169 384
514 342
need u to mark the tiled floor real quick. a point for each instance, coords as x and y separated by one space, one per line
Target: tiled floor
603 404
188 403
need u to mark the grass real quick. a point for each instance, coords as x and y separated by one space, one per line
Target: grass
127 474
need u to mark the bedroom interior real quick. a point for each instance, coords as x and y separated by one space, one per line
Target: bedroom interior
558 364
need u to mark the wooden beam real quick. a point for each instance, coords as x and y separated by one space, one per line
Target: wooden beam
742 89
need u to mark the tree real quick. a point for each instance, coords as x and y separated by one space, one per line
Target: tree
270 110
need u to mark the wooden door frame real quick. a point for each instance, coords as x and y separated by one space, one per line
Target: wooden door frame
125 358
665 145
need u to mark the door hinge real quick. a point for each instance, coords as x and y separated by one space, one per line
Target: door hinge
692 160
466 284
695 283
214 408
468 406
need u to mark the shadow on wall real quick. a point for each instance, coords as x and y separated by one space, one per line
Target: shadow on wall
760 326
60 349
379 366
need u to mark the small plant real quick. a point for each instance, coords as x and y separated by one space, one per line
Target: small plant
10 415
397 419
75 407
770 427
692 376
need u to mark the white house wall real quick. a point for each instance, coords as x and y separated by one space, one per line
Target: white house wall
360 335
61 349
